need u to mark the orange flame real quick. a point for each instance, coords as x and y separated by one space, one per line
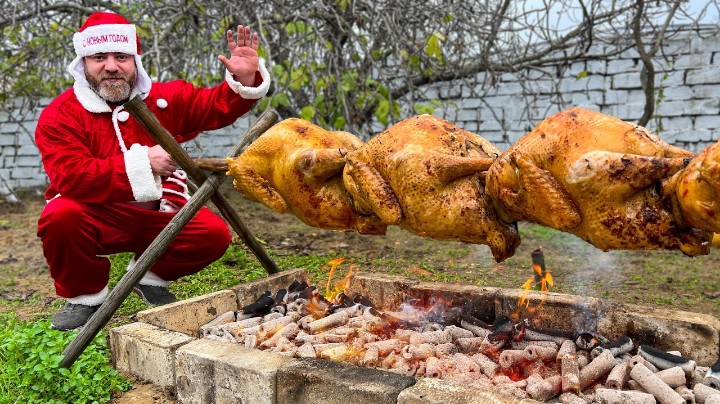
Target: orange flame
541 281
340 287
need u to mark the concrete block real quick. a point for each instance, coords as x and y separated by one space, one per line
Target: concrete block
672 108
706 91
455 296
390 290
312 381
469 103
615 97
188 315
436 391
543 86
9 139
708 44
705 135
27 149
588 100
636 97
677 93
597 67
495 136
577 68
449 114
677 123
508 77
467 115
537 74
560 311
447 92
248 292
626 112
621 66
147 352
28 139
706 122
678 45
670 79
22 173
10 127
509 88
28 161
248 376
490 125
626 81
695 335
629 54
597 51
707 75
692 61
593 82
470 126
195 369
431 93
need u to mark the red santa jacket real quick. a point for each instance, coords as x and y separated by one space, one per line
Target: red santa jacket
94 153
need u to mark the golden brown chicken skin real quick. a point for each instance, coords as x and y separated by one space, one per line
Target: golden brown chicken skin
598 177
296 167
698 190
425 175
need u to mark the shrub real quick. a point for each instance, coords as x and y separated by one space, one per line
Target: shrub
30 371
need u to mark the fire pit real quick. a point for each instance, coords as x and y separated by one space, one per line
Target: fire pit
164 346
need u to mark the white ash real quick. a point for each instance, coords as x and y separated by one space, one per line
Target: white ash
549 368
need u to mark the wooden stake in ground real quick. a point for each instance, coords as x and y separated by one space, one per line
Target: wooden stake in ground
206 191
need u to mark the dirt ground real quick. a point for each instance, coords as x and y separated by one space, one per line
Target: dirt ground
651 278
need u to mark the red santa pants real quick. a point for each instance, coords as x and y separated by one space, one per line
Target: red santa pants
75 235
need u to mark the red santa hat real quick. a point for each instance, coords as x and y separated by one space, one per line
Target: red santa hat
107 32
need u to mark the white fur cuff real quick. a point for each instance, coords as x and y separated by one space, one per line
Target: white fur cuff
251 93
145 185
151 279
94 299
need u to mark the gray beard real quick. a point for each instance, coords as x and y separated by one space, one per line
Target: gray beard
111 92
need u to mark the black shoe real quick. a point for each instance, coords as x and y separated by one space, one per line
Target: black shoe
72 316
154 295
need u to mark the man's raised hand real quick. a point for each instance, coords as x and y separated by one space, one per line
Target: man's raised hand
244 61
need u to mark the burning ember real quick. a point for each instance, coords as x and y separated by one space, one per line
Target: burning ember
441 340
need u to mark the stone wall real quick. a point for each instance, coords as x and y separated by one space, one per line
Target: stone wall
688 83
687 87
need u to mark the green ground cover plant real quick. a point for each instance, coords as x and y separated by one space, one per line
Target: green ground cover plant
30 371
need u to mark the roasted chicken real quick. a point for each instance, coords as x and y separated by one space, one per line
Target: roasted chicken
425 175
698 190
297 167
606 181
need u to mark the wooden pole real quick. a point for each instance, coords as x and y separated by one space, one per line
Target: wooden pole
160 244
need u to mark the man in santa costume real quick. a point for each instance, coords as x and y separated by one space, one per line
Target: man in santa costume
112 188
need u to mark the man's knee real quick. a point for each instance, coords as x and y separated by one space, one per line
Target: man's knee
60 214
217 234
